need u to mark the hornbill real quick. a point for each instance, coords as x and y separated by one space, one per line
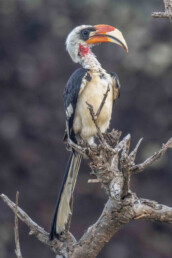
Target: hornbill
86 85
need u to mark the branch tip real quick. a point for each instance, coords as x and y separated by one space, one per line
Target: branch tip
16 230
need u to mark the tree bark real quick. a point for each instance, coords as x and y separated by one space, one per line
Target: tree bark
167 13
113 165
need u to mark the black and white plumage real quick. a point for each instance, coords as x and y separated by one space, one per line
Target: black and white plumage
86 85
73 88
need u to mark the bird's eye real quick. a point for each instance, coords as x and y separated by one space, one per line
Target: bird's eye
85 34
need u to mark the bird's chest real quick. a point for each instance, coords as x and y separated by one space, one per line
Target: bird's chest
94 93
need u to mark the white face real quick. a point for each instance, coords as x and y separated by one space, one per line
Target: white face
73 40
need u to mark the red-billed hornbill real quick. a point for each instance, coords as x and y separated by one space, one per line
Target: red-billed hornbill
86 85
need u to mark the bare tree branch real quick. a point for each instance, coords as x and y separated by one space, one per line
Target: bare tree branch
146 209
160 15
114 216
103 101
110 221
139 168
112 164
132 155
168 8
16 230
167 13
94 118
56 246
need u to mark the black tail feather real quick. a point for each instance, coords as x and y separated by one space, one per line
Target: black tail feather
69 181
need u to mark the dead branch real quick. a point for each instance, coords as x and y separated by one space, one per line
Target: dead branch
132 155
103 101
114 216
16 230
167 13
56 246
140 167
112 164
95 116
146 209
160 15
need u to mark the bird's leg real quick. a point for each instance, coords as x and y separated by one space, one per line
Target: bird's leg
69 141
74 145
81 150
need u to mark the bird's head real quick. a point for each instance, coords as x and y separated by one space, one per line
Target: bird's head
82 38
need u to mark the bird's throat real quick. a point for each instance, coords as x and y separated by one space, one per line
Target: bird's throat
83 50
87 59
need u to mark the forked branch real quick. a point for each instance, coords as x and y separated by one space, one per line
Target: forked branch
112 164
140 167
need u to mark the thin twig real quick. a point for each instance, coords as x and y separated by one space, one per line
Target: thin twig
95 116
132 155
122 144
160 15
139 168
103 102
101 138
16 230
125 166
94 181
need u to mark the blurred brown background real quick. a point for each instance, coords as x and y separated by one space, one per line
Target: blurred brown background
34 68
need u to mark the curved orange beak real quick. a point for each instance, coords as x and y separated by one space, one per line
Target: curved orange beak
106 33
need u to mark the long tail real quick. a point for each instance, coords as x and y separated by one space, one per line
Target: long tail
64 202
